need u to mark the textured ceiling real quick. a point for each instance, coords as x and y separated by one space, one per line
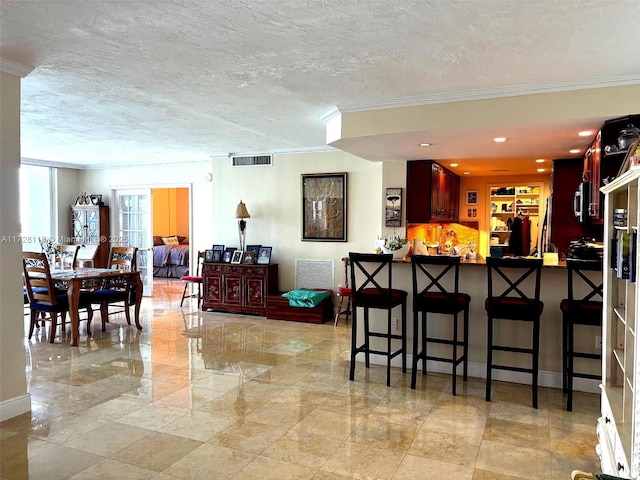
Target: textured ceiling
163 81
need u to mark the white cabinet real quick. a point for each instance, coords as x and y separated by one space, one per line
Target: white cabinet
619 426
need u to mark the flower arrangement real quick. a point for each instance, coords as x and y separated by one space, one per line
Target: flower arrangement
49 246
395 242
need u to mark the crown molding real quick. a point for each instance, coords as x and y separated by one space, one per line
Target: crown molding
50 163
482 94
13 68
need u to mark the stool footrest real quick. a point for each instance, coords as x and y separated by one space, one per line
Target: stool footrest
513 369
503 348
384 335
362 349
594 356
587 375
441 359
445 341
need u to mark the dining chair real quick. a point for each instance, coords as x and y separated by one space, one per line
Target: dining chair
120 258
194 280
513 285
371 288
344 292
43 296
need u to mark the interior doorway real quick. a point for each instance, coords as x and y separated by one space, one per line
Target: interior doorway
161 212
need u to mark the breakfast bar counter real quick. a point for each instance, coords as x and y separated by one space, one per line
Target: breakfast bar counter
473 281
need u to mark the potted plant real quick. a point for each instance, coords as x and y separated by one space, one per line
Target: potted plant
397 245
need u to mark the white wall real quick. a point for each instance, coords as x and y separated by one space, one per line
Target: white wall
273 199
14 398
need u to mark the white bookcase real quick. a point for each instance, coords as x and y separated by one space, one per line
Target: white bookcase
618 428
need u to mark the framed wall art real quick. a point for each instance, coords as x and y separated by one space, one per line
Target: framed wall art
393 208
324 207
472 197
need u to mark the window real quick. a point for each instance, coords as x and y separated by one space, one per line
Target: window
36 201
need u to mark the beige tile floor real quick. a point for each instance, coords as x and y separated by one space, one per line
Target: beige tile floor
217 396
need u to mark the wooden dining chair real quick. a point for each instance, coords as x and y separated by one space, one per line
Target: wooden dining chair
120 258
43 296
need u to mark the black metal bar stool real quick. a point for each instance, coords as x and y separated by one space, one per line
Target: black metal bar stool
509 281
431 274
579 311
371 287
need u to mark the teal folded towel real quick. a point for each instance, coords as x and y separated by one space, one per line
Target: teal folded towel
305 298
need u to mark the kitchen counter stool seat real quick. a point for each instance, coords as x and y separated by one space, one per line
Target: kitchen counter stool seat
431 275
371 288
514 294
585 311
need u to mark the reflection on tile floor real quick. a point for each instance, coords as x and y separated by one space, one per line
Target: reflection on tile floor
207 396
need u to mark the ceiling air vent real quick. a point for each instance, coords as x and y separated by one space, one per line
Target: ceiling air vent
251 160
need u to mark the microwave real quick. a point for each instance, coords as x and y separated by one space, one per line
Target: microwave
582 202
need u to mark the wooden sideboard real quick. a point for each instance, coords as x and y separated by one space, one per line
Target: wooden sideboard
238 288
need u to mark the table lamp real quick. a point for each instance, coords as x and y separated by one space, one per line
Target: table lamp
242 213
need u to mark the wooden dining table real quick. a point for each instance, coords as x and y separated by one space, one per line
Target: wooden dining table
93 278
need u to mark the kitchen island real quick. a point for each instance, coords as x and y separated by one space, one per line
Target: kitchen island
473 281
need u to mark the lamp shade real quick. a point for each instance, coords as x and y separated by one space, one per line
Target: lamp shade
241 211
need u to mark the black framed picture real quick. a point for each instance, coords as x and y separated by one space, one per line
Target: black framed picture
324 207
237 256
208 256
393 208
254 248
218 251
227 254
264 257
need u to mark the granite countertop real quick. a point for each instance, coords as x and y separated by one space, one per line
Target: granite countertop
480 261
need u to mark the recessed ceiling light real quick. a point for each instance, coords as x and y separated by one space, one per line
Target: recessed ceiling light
574 150
541 170
425 144
540 160
500 139
585 133
453 165
467 173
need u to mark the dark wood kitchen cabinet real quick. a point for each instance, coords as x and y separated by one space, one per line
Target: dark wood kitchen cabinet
238 288
433 193
603 159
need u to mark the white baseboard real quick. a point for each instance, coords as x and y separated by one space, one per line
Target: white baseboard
15 406
479 370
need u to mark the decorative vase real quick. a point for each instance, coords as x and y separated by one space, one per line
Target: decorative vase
397 254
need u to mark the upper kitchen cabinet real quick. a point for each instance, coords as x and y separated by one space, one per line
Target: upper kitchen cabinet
433 192
603 158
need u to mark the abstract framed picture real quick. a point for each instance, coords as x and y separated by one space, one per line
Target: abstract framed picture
324 207
393 208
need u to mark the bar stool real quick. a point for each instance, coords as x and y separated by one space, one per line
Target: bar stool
584 311
508 300
344 292
371 288
436 272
